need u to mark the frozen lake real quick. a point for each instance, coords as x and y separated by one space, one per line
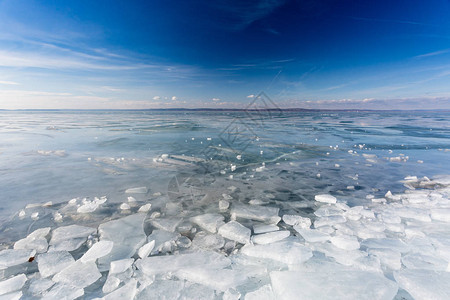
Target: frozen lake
219 180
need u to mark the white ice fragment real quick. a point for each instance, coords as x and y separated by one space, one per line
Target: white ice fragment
224 204
295 220
98 250
145 250
441 214
263 228
163 240
263 293
153 265
424 262
34 241
91 206
328 210
78 274
162 289
57 217
120 266
386 243
258 213
63 291
22 213
209 222
167 224
345 242
12 284
325 198
236 232
328 221
128 291
137 190
111 284
124 206
145 208
70 237
286 251
292 285
218 279
270 237
53 262
13 257
126 233
204 240
312 235
231 294
389 258
35 215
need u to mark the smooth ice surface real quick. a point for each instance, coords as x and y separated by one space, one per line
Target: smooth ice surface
126 233
332 285
120 266
38 286
146 249
255 212
13 257
162 289
12 284
218 279
167 224
287 251
263 293
270 237
63 291
345 242
209 222
128 291
53 262
97 250
424 284
263 228
70 237
137 190
34 241
78 274
295 220
164 240
236 232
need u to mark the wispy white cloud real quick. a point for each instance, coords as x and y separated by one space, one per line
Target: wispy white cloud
157 98
174 98
215 99
251 96
434 53
5 82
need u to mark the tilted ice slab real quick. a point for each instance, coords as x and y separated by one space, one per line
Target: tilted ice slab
137 190
325 198
126 233
263 293
163 240
128 291
287 251
270 237
209 222
235 231
97 250
12 284
13 257
163 264
78 274
70 237
91 206
218 279
34 241
63 291
424 284
168 224
332 285
53 262
295 220
254 212
312 235
264 228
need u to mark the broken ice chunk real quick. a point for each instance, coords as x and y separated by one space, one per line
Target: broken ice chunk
79 274
111 284
12 284
345 285
153 265
53 262
145 250
236 232
286 251
325 198
345 242
441 214
167 224
328 210
12 257
90 206
137 190
70 237
164 240
424 262
97 250
330 220
257 213
424 284
145 208
295 220
208 241
128 291
63 291
388 258
209 222
120 266
126 233
312 235
263 293
124 206
162 289
263 228
270 237
386 243
231 294
218 279
224 204
34 241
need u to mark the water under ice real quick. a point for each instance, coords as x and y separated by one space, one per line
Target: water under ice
271 231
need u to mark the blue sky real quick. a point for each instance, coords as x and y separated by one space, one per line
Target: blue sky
157 54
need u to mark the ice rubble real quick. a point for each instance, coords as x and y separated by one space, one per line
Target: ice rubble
381 250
